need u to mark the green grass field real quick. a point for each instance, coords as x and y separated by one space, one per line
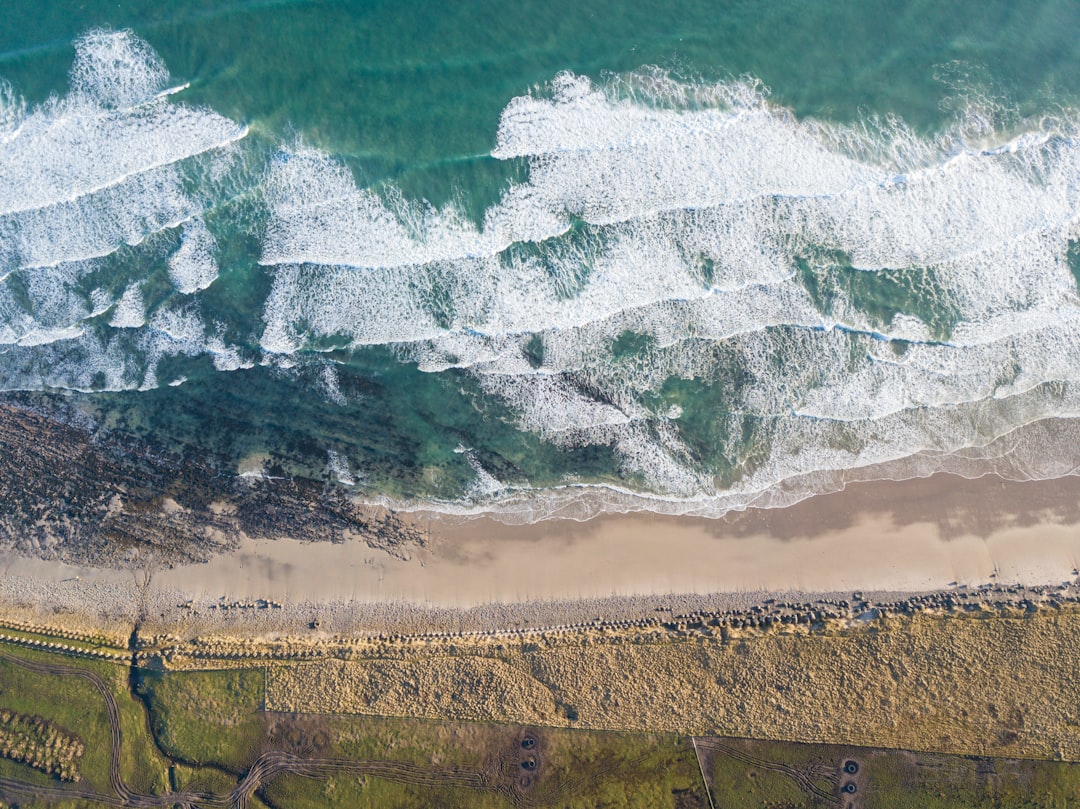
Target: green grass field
206 718
204 731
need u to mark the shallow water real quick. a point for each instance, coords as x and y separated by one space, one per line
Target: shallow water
550 258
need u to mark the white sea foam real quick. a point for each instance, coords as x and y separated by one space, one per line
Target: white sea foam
851 300
12 110
68 149
40 307
331 386
95 226
339 468
485 485
116 69
181 329
659 458
193 266
319 216
553 406
130 311
940 313
102 169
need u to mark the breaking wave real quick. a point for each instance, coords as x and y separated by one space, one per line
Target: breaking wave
94 189
745 307
741 307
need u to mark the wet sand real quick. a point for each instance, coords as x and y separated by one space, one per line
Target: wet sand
913 536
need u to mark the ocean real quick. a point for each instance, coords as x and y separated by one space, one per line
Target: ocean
549 259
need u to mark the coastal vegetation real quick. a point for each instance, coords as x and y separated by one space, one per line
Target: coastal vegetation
41 744
219 732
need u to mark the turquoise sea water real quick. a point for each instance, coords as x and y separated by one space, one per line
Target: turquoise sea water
549 258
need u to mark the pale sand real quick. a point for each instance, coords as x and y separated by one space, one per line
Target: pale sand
912 536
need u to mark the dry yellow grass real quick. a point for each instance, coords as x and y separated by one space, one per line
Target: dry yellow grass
437 687
974 683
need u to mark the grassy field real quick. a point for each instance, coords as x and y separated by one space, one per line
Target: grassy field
75 705
204 730
757 774
71 703
213 720
573 769
907 781
922 682
206 718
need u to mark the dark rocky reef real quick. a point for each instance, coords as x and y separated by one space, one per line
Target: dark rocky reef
73 493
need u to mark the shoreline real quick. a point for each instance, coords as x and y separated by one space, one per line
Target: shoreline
795 662
889 540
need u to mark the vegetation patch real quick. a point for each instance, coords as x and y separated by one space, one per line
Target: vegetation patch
925 681
436 687
205 717
69 703
220 741
41 744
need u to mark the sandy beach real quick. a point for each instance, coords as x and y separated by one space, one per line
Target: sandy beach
914 536
747 626
917 535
